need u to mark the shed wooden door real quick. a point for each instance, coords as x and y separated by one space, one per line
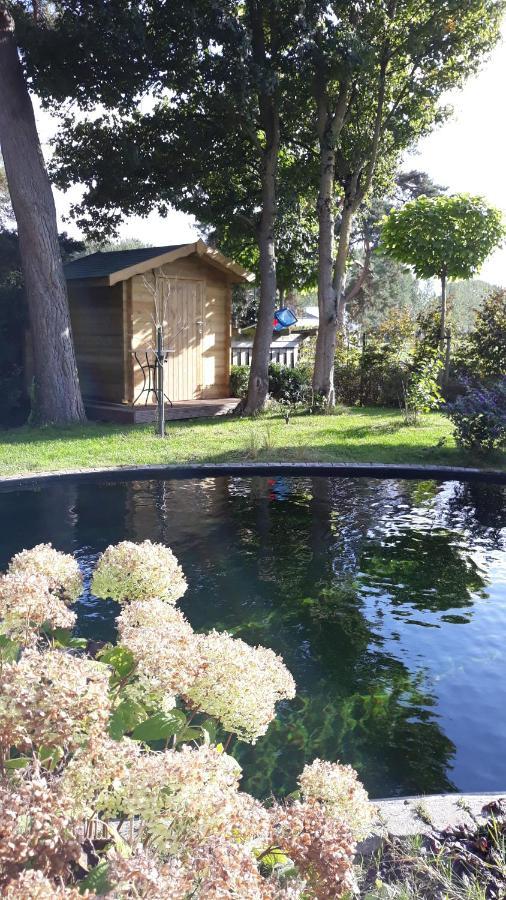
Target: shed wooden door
183 337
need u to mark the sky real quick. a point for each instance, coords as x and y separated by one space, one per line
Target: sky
466 154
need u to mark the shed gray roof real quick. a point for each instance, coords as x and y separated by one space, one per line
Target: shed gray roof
102 263
113 266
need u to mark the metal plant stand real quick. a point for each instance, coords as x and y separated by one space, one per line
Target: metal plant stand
150 375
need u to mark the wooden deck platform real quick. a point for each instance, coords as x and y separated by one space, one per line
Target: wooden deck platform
140 414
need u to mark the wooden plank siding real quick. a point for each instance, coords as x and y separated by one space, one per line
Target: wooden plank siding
109 323
199 367
97 327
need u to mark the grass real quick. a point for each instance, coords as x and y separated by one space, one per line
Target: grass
350 435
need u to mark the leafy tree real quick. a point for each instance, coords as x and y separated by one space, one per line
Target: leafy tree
443 237
484 352
210 141
58 397
397 61
465 300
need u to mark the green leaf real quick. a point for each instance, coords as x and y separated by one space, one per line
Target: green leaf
50 756
96 881
121 660
127 715
274 857
63 637
211 728
9 650
20 762
160 726
189 734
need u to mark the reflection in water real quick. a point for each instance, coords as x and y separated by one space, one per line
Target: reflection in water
387 600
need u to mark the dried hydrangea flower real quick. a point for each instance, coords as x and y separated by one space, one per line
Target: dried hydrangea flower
239 685
96 776
185 796
143 876
163 643
60 569
52 699
128 571
27 602
321 848
342 794
33 885
36 827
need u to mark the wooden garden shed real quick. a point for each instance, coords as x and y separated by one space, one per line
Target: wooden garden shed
115 299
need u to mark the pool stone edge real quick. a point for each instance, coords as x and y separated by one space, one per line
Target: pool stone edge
250 469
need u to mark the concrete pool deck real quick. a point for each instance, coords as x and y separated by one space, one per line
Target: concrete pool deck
405 816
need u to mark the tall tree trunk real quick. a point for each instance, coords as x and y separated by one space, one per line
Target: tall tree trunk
444 338
442 333
357 183
330 125
323 375
57 393
268 105
258 386
343 250
327 298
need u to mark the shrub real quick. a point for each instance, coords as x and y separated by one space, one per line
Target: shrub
239 377
479 417
291 386
421 390
347 373
483 354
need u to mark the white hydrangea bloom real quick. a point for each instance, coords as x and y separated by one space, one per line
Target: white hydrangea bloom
344 797
52 699
163 643
26 603
60 569
96 777
239 685
184 796
128 571
180 797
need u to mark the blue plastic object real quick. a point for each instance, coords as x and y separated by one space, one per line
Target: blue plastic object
283 318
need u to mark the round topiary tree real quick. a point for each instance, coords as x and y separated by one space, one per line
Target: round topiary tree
443 237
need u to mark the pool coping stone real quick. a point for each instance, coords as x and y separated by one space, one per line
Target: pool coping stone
203 470
409 816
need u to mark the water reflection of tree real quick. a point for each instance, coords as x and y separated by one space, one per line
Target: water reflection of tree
355 701
428 570
479 509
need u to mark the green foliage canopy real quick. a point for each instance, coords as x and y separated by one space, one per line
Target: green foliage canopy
443 236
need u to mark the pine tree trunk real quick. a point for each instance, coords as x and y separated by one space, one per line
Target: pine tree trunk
258 386
57 393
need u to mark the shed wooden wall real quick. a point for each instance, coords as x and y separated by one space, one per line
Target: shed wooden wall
97 325
215 340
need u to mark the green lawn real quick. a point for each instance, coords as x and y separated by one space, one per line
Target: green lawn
354 435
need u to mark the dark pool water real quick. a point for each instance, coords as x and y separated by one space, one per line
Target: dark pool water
386 599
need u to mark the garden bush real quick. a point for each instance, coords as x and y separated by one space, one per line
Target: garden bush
479 417
239 377
288 385
139 733
483 353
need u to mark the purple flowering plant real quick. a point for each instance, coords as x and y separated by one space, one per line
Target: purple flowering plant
479 416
